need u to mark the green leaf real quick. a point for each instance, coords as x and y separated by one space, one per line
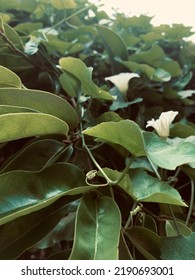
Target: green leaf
22 233
7 109
40 101
9 78
21 125
70 84
34 156
12 36
145 188
146 241
172 231
125 133
28 6
182 130
98 219
115 47
166 155
63 4
37 190
178 248
83 74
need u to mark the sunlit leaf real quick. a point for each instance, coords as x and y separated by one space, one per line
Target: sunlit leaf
9 78
167 155
125 133
21 125
80 71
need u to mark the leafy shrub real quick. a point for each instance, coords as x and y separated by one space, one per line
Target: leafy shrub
81 175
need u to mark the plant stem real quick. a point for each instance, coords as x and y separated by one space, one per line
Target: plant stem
69 17
154 168
191 202
124 241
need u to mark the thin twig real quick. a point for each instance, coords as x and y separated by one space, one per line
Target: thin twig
191 202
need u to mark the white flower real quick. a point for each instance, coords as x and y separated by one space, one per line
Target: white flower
121 80
162 125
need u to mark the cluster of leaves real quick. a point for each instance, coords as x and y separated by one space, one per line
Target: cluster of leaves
80 176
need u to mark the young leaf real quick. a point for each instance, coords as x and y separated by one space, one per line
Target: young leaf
125 133
97 229
21 125
83 74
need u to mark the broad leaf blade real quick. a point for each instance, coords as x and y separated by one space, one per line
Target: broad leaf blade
83 74
21 125
167 155
34 156
125 133
146 241
178 248
145 188
9 78
97 229
23 192
40 101
115 47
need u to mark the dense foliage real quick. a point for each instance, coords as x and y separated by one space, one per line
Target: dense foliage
81 176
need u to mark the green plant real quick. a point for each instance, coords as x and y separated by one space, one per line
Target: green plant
80 176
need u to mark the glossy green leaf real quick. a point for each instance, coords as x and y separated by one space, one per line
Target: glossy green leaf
146 242
21 125
34 156
23 192
154 190
23 232
115 47
83 74
9 78
125 133
145 188
97 229
40 101
166 155
178 248
172 231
